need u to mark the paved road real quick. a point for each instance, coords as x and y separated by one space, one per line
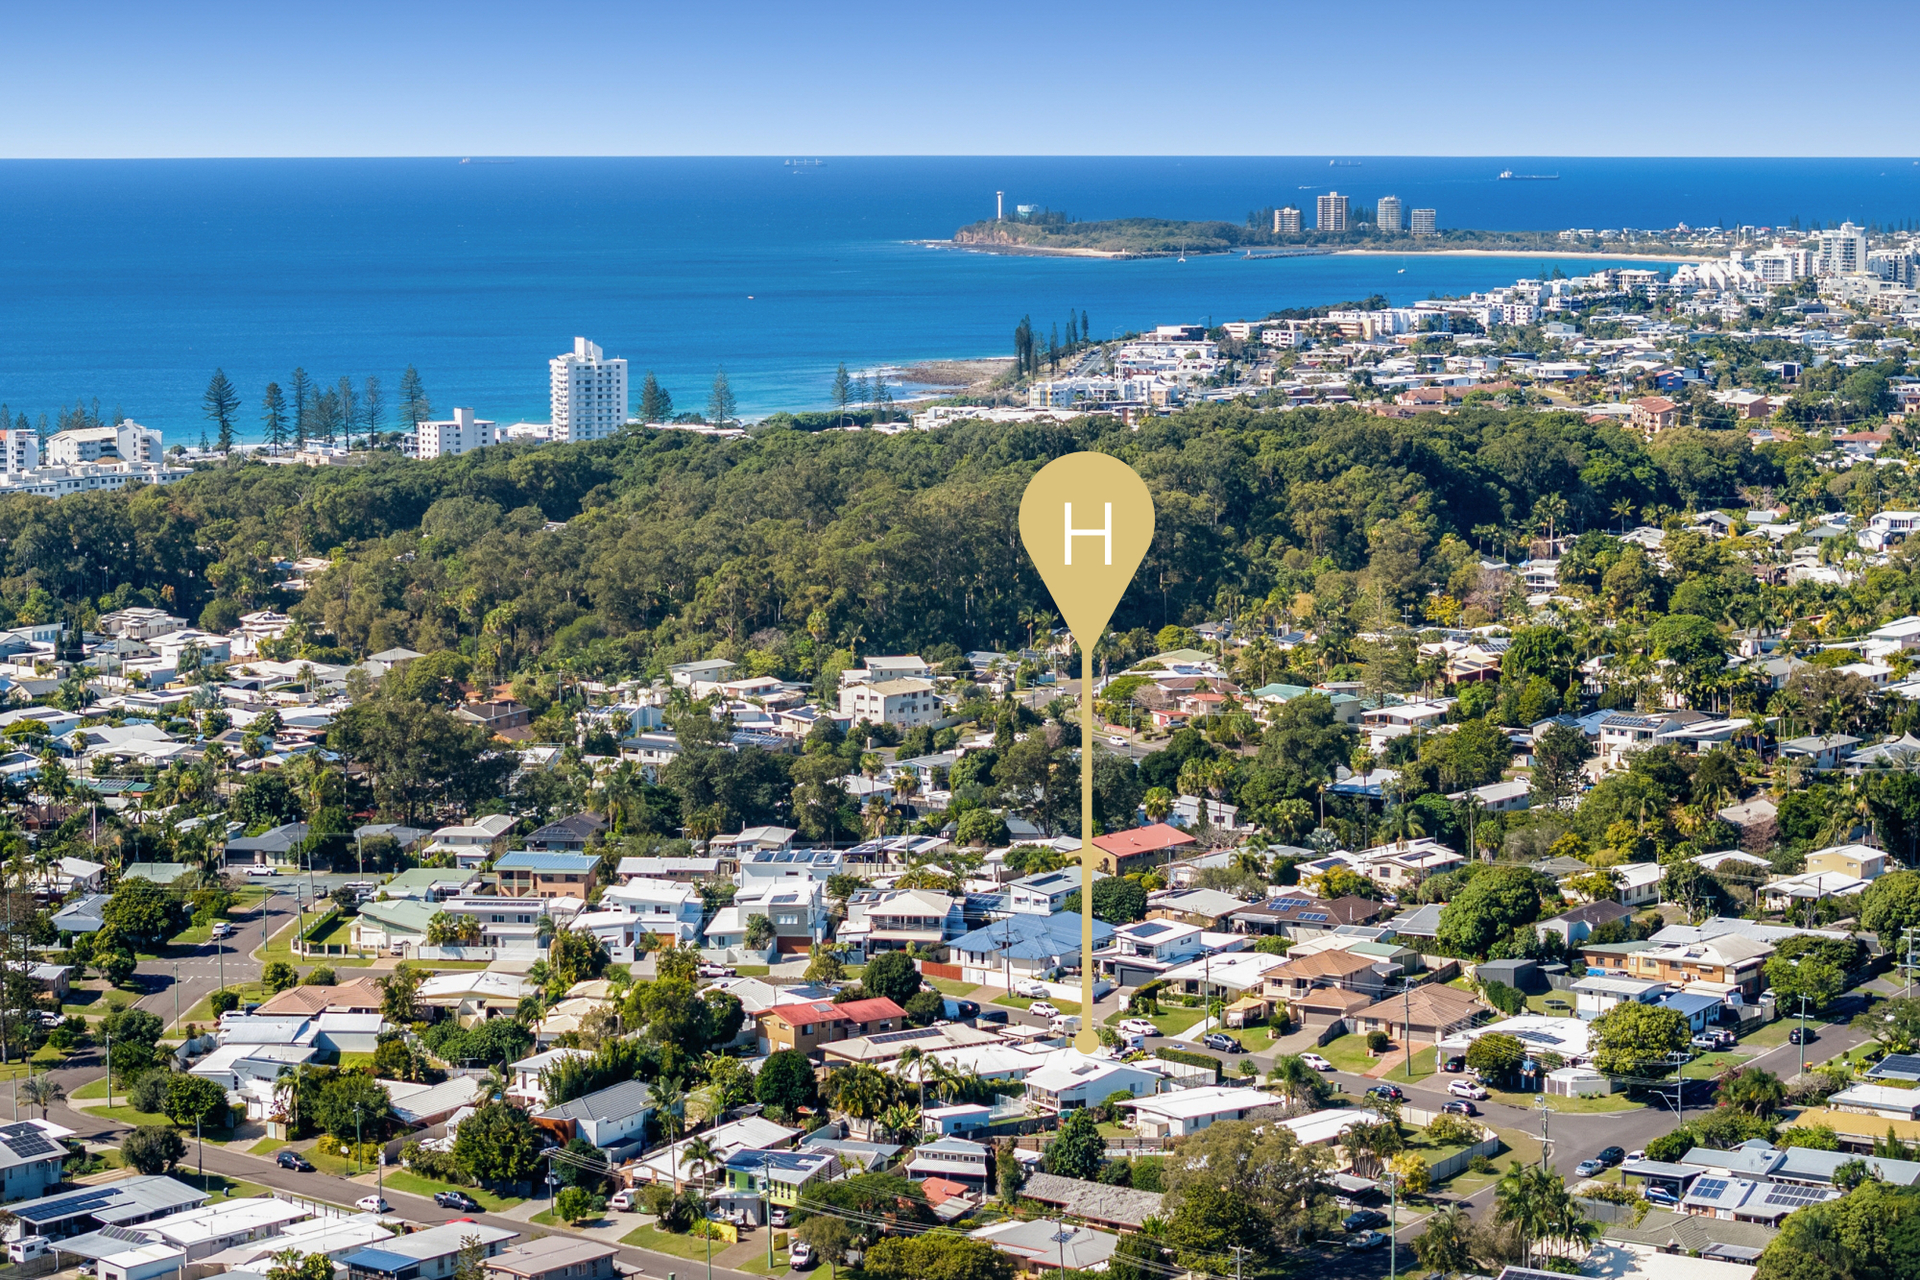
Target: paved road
171 987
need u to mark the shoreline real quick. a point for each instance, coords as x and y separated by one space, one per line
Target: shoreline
1116 255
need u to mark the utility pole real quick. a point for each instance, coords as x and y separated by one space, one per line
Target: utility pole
1406 1026
1546 1141
766 1202
1238 1252
1393 1224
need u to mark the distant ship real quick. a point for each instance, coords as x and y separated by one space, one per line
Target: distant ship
806 164
1508 175
1343 164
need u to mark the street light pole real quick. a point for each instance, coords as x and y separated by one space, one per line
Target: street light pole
766 1201
1393 1224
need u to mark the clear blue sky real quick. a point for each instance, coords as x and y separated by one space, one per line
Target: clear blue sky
1379 77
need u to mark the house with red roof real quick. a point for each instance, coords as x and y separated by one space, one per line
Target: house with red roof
1136 850
809 1024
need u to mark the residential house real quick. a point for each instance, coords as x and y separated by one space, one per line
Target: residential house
780 1176
1828 751
1857 860
554 1258
797 909
472 843
898 919
30 1158
546 875
667 908
1147 949
527 1092
506 718
1298 976
1121 1208
1138 848
1575 925
1654 414
432 1254
957 1159
1729 961
1045 892
274 848
1298 915
1042 1245
1425 1014
571 834
1185 1111
613 1119
907 704
808 1025
1070 1079
1208 908
1023 946
1596 994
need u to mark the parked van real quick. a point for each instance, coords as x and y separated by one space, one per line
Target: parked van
26 1248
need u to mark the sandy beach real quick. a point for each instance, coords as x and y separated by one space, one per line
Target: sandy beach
1512 253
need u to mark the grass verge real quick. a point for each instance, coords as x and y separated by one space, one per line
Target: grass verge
202 1013
1022 1002
414 1184
1170 1021
651 1237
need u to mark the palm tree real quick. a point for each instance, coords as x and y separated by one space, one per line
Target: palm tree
901 1122
701 1155
862 1092
1402 823
670 1103
1296 1081
1157 804
913 1058
1623 511
43 1092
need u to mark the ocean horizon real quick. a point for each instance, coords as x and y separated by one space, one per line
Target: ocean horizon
130 281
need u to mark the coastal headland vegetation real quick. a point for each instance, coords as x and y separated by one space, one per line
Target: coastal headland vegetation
1166 237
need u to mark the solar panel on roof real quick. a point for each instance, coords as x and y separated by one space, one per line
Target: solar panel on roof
31 1143
1286 904
1794 1195
1312 915
894 1037
1709 1188
124 1236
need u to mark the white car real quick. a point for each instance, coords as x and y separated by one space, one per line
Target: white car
262 871
1317 1062
1116 740
1137 1027
1043 1008
1467 1089
1029 987
221 929
371 1204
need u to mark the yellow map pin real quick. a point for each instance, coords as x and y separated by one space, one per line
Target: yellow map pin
1087 521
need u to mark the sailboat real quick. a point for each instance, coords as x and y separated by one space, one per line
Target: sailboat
1183 251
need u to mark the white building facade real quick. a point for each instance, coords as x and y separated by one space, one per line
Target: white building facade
589 393
459 435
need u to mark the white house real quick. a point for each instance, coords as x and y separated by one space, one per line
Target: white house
1184 1111
665 907
906 703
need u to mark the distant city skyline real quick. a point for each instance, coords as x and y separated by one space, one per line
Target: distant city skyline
507 78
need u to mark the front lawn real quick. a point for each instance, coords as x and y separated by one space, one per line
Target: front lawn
127 1115
249 993
1349 1053
950 986
1709 1065
216 1184
1570 1106
1171 1021
1022 1002
414 1184
691 1248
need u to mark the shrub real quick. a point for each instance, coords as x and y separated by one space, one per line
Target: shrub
1481 1164
1378 1042
223 1002
322 977
149 1092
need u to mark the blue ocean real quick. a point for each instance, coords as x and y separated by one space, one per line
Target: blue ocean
131 281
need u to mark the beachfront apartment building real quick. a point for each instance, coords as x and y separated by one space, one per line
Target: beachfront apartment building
1420 222
588 393
1330 212
19 450
1386 215
458 435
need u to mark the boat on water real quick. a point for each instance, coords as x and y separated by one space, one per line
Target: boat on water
1344 164
1508 175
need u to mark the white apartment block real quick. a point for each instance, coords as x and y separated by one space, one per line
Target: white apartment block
1331 212
1421 223
907 703
128 442
19 450
1286 222
463 433
1844 251
589 394
1387 215
1781 265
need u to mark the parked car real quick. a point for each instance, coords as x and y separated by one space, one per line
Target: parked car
1137 1027
371 1204
624 1200
715 971
1611 1156
1317 1062
1222 1043
26 1248
1456 1064
261 871
1366 1240
1589 1169
1043 1008
457 1200
292 1160
800 1255
1797 1036
49 1019
1461 1107
1030 987
1660 1196
959 1010
1388 1092
1636 1154
1467 1089
1363 1220
1116 739
780 1218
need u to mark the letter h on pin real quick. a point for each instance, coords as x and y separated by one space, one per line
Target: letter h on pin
1104 533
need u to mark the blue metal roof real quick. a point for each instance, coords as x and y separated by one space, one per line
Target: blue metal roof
380 1260
1031 937
524 860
